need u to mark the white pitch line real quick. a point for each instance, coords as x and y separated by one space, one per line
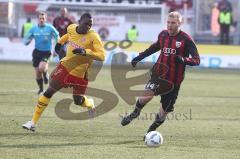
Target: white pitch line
18 91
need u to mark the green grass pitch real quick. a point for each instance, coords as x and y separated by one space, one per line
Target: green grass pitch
204 125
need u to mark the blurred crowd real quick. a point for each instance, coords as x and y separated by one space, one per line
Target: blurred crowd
172 4
217 19
222 20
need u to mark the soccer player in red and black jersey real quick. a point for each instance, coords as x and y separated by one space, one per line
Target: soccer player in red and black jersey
177 49
61 23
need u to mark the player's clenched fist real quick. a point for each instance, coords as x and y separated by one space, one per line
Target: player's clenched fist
80 51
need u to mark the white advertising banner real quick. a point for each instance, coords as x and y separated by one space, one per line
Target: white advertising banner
220 61
17 51
110 27
208 61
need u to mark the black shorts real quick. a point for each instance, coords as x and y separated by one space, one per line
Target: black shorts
166 90
38 56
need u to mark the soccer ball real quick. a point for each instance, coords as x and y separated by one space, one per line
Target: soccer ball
153 139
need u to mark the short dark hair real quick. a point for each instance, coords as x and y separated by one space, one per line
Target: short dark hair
86 15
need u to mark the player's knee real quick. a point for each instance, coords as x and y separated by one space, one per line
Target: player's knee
78 100
42 69
146 99
49 93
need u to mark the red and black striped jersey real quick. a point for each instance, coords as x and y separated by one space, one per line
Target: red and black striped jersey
61 24
167 67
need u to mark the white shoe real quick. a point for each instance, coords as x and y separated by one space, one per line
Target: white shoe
92 111
29 126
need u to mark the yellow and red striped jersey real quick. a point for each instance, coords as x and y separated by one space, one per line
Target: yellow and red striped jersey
78 65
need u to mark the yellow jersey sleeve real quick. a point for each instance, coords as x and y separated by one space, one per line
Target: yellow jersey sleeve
63 39
97 52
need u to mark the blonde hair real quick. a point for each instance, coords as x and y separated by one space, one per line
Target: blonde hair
175 14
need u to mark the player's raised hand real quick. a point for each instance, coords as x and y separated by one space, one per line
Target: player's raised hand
135 61
179 59
27 41
58 48
80 51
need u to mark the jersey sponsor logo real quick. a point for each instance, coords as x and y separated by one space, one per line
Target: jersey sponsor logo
167 51
178 44
74 45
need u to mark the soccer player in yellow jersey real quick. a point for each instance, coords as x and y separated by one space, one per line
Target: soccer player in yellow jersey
83 46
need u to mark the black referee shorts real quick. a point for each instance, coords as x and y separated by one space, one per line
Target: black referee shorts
38 56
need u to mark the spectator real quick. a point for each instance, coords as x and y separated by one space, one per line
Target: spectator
176 5
172 5
61 23
132 33
214 20
103 33
224 5
131 1
26 27
225 20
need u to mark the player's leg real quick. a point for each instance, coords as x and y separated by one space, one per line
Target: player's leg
36 59
83 101
43 66
141 102
222 33
79 89
42 103
150 90
168 100
56 83
44 100
39 79
88 103
227 30
159 120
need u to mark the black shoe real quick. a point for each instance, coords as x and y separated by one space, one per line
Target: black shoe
45 77
157 122
127 119
40 91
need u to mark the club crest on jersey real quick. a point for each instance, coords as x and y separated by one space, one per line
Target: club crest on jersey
83 39
178 44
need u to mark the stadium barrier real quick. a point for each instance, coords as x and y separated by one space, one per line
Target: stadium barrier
212 56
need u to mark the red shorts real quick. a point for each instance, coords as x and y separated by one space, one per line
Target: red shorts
62 76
